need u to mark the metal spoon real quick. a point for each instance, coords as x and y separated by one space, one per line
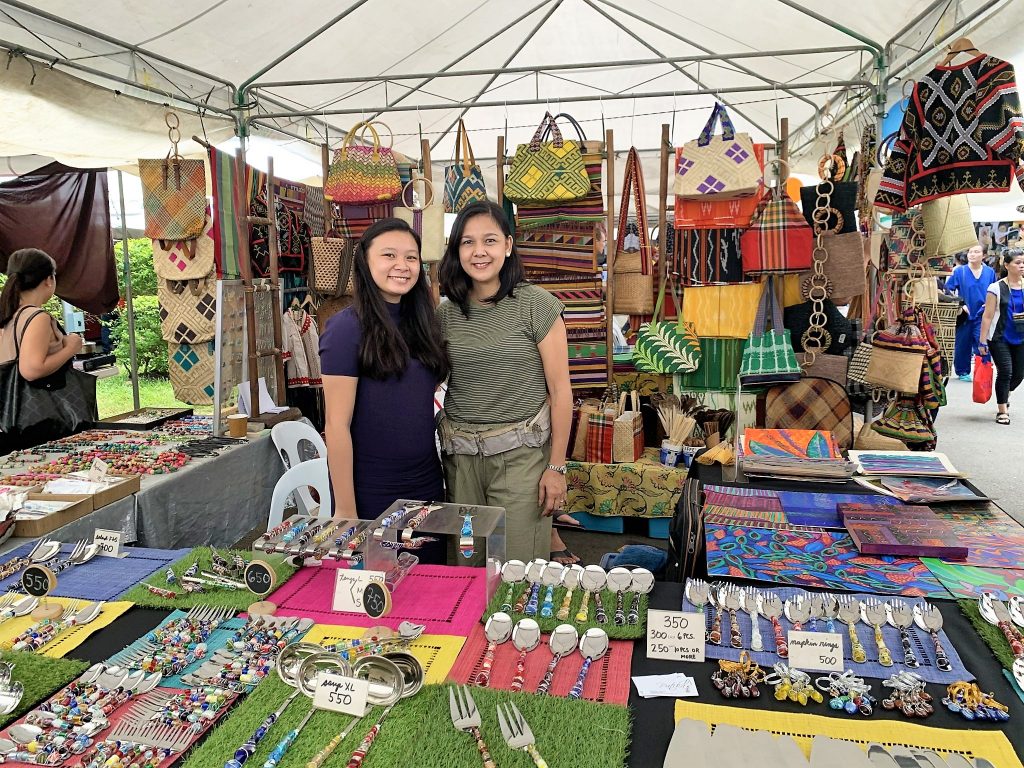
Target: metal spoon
592 581
619 580
593 645
901 616
749 601
643 583
549 577
697 592
561 642
525 637
928 618
512 573
770 606
497 630
570 580
527 602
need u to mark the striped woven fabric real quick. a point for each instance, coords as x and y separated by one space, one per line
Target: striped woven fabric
564 246
589 209
581 295
707 256
227 221
588 350
353 220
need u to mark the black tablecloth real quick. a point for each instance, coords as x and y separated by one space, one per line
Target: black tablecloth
653 720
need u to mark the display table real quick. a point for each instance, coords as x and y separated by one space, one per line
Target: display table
645 488
215 500
653 721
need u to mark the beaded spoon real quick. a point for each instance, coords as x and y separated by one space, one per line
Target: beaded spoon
512 573
497 630
527 602
562 641
549 577
593 645
592 581
570 581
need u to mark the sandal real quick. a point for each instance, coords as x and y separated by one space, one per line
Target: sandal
564 556
565 520
1002 418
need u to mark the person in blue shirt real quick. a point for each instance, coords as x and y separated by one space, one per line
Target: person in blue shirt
970 282
1003 327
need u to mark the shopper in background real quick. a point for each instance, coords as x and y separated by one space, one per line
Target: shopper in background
509 403
1002 326
970 282
382 360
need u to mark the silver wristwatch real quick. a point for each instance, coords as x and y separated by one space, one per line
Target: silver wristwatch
559 468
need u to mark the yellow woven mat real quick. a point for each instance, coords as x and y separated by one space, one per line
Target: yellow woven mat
992 745
437 653
69 639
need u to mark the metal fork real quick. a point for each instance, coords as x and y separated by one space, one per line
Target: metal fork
749 603
849 614
67 562
872 611
466 717
517 732
7 601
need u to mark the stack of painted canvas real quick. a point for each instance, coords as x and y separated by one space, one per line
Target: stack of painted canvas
558 245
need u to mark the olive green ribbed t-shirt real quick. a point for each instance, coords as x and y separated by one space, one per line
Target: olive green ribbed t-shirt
497 375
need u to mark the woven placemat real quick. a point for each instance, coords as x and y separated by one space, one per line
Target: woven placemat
607 681
448 600
70 639
437 653
924 648
992 745
102 578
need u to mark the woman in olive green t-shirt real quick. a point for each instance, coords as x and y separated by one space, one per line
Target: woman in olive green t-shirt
509 359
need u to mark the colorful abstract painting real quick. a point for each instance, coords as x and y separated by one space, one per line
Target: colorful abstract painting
902 463
929 490
910 531
811 557
821 509
993 538
790 443
970 582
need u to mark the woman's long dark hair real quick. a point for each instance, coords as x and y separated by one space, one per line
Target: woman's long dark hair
26 269
455 283
384 350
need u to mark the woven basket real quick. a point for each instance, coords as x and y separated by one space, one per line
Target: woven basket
188 309
191 368
943 316
331 265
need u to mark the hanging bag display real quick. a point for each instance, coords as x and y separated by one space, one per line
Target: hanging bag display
463 180
424 213
779 239
633 273
906 240
948 229
717 214
662 348
811 403
188 309
768 356
896 361
545 171
840 205
185 260
839 258
628 430
331 265
906 420
722 311
173 193
363 175
192 368
719 367
713 168
704 256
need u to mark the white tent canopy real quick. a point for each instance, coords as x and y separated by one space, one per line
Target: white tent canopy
89 82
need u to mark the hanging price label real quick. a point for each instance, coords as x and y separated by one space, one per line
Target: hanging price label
675 636
108 543
816 651
341 694
348 589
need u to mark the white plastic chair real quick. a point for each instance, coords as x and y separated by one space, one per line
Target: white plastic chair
292 439
308 474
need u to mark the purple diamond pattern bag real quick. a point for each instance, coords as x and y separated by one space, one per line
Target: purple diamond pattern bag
717 167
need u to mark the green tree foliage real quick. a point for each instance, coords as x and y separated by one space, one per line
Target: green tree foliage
140 257
150 347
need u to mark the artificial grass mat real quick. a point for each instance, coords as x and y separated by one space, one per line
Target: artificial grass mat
993 636
624 632
419 732
40 676
239 599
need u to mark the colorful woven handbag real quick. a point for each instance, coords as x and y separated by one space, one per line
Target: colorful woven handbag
906 420
600 435
725 311
948 229
779 239
185 260
719 214
906 240
463 179
717 169
191 368
188 309
811 403
543 171
173 198
662 348
361 174
632 273
704 256
768 356
628 430
719 367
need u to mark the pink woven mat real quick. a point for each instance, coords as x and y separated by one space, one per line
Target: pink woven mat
607 681
448 600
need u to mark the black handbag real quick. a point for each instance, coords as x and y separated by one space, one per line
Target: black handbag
34 412
842 206
798 319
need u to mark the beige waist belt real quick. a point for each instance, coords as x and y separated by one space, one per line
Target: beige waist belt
459 438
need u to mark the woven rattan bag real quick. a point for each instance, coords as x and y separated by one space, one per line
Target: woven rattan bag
331 266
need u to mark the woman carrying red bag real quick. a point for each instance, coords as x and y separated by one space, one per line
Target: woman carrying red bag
1002 327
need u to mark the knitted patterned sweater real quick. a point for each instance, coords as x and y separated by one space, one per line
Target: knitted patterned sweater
962 132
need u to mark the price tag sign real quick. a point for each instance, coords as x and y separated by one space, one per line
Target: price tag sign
675 636
107 542
98 470
817 651
260 578
376 599
340 694
348 589
38 580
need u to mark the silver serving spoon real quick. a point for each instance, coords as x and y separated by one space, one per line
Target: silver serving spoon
643 583
512 573
749 602
901 616
698 592
525 637
562 641
528 601
770 606
549 578
571 575
619 580
928 618
497 630
592 581
593 645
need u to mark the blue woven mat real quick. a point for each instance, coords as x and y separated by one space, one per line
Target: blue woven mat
218 638
102 578
924 649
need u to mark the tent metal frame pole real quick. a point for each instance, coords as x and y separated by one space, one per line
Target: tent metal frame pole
471 51
723 57
571 99
877 47
557 4
679 69
129 303
541 69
